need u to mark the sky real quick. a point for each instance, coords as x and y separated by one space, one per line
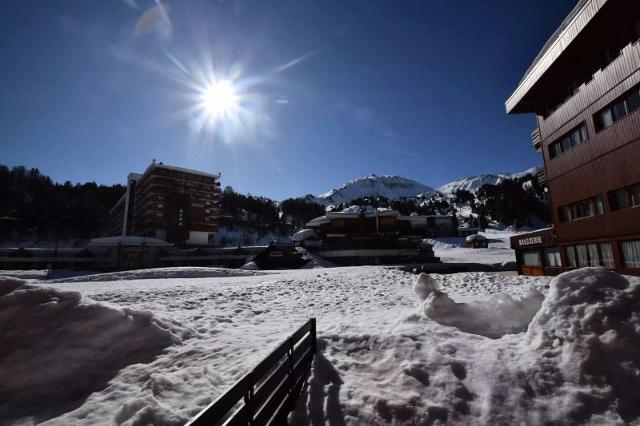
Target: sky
315 92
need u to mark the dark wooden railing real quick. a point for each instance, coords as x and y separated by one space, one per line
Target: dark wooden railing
268 393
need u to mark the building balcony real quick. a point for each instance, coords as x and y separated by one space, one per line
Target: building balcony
541 175
536 139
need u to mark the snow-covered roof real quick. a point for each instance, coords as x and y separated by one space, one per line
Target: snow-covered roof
305 234
128 240
475 237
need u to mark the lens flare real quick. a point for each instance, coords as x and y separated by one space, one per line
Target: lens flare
219 99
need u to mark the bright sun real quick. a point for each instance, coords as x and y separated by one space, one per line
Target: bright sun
219 99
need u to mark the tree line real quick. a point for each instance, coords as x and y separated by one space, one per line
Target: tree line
32 205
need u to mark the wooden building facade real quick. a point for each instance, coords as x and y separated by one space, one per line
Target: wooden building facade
173 204
584 87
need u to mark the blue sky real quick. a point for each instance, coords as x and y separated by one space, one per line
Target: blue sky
327 90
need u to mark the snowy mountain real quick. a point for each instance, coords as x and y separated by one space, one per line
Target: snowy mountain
390 187
473 183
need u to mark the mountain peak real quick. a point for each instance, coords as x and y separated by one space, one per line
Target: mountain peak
473 183
392 187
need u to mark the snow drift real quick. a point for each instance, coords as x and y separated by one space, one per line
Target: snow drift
499 315
586 342
578 362
56 348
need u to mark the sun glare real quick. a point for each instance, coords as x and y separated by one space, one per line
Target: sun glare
219 99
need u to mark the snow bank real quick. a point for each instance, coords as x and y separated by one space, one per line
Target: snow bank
583 346
313 260
499 315
57 348
155 273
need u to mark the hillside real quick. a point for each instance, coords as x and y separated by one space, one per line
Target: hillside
390 187
473 183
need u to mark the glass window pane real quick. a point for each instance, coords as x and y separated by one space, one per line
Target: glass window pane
571 256
575 138
631 254
598 205
583 256
633 101
583 133
565 213
594 259
635 195
619 111
531 258
566 143
553 256
606 119
620 199
607 255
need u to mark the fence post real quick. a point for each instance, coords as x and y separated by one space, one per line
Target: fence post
248 399
314 340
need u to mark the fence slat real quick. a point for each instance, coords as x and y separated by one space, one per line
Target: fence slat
267 388
219 408
270 390
271 361
274 402
299 333
304 345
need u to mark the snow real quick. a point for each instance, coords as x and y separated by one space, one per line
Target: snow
390 355
128 240
57 348
155 273
473 183
453 250
388 186
304 235
499 315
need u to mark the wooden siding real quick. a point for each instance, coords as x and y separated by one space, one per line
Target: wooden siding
608 160
578 23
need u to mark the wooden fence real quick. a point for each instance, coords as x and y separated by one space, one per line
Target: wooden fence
268 393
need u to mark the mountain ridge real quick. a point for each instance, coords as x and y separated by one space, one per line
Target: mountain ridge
394 187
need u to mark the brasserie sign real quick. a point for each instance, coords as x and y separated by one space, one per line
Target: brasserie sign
530 241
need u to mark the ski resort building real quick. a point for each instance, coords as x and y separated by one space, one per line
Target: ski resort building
173 204
373 236
584 88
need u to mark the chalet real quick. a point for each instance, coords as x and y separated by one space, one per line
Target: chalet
584 88
476 241
373 236
279 256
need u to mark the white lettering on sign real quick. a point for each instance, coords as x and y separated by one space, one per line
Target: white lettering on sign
530 241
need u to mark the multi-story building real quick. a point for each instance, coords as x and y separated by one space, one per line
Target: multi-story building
170 203
584 88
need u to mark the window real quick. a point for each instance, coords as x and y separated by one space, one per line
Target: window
579 209
583 256
571 256
594 259
625 197
631 254
553 256
607 255
590 255
618 109
568 141
531 258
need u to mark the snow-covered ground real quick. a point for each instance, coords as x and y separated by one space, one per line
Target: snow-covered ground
155 351
452 250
